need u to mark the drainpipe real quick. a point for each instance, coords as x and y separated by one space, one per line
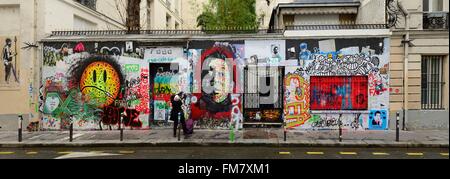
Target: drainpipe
405 42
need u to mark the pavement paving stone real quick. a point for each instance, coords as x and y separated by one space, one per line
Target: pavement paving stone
433 138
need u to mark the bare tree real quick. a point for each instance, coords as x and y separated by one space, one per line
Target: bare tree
120 6
122 10
133 19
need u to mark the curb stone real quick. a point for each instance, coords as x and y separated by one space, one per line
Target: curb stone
224 144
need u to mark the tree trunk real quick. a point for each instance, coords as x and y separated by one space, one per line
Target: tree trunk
133 16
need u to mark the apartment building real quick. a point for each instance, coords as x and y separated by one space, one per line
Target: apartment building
375 44
163 14
25 23
419 61
419 47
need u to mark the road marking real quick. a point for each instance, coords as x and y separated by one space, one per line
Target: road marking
73 137
348 153
34 137
380 153
85 155
97 151
444 154
314 153
31 153
6 153
126 152
415 154
285 153
65 152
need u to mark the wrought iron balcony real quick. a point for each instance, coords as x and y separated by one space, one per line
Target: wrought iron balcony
435 20
92 4
336 27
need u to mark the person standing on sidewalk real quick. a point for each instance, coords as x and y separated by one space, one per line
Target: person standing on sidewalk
177 111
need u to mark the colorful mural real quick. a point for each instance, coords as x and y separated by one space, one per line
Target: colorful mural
339 93
296 99
310 84
215 80
93 85
170 75
346 79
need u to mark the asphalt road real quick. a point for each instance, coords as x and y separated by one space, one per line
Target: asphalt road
223 153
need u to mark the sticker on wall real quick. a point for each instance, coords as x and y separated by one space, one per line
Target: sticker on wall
163 54
378 120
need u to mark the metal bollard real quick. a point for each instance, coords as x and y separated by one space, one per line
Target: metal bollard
121 128
71 133
285 131
340 129
404 123
397 128
71 129
20 128
179 128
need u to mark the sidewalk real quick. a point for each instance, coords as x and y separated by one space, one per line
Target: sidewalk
246 137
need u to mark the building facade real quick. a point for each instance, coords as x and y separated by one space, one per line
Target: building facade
240 81
334 62
25 24
164 14
419 57
425 56
155 14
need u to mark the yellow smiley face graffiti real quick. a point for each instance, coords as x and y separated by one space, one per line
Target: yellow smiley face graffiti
100 83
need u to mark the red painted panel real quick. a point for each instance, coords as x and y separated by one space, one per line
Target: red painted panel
339 93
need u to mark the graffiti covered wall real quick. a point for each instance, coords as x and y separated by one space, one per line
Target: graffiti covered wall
170 73
94 85
336 80
217 80
312 84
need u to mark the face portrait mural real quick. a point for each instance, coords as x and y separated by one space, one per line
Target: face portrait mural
52 101
217 80
99 80
222 79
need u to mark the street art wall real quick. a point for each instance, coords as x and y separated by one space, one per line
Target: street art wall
308 84
217 81
336 80
170 73
94 85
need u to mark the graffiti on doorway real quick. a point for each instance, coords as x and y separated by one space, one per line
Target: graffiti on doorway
296 101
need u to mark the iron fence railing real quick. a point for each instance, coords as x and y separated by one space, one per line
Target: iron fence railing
336 27
436 20
92 4
166 32
217 31
433 84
